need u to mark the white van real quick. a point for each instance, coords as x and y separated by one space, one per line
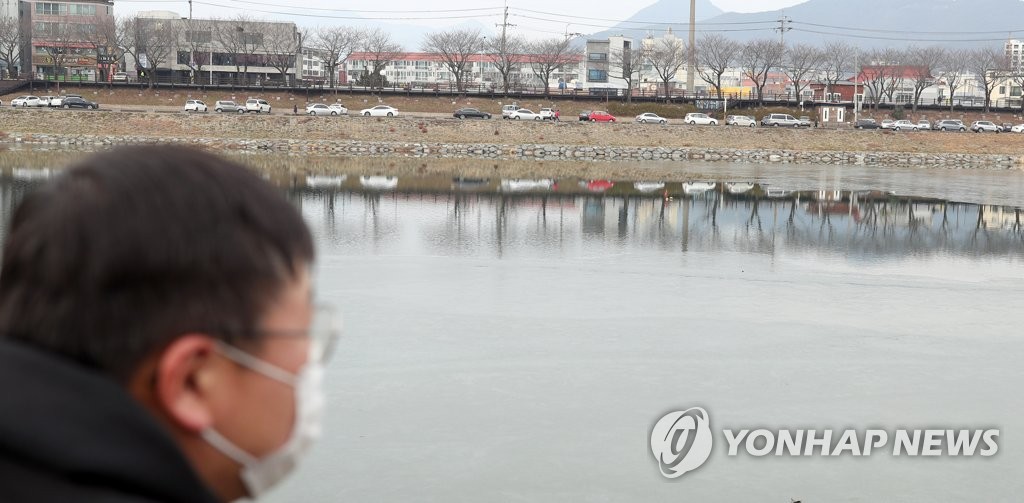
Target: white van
506 110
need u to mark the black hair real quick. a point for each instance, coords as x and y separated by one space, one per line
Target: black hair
131 248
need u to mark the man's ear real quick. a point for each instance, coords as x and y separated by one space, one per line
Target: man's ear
185 371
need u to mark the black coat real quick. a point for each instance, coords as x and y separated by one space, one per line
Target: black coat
70 435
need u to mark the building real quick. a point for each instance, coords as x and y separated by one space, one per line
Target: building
605 60
428 71
66 39
217 51
9 11
313 68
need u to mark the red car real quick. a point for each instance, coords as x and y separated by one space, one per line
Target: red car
598 116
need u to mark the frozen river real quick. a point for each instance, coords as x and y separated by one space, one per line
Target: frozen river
516 340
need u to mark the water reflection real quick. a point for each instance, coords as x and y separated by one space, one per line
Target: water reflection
739 217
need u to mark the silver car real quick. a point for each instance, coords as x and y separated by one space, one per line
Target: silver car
740 120
319 109
776 120
985 127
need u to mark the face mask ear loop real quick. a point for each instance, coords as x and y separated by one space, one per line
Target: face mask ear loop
228 448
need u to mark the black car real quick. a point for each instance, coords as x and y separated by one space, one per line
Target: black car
471 113
866 124
585 116
76 102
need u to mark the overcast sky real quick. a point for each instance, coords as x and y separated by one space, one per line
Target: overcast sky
444 13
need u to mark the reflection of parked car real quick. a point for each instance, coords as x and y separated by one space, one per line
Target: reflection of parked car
984 127
597 186
227 106
646 187
699 118
524 114
865 124
601 116
691 188
776 120
739 188
470 113
379 182
379 111
72 102
195 106
644 118
526 185
315 181
740 120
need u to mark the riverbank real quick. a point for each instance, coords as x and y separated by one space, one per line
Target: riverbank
510 140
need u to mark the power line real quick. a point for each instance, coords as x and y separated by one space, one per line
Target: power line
906 31
665 23
365 18
328 9
872 37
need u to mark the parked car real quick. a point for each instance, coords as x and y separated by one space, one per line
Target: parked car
74 102
379 111
950 125
644 118
257 105
195 106
524 114
805 121
866 124
506 110
471 113
1006 127
338 107
985 127
27 101
888 123
776 120
1019 128
740 120
904 124
45 100
549 114
601 116
585 116
227 106
56 101
319 109
120 77
696 118
924 124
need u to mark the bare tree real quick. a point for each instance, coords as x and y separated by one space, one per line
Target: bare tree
60 38
801 61
893 58
10 40
629 62
922 62
154 41
757 58
241 38
507 55
455 48
198 37
335 44
380 51
989 67
666 57
716 54
838 60
954 65
549 56
282 45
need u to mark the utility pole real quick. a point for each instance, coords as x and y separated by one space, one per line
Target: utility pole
691 60
502 49
784 26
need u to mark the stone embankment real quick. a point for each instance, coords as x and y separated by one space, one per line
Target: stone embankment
498 140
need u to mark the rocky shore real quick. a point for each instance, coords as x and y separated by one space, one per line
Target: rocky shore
508 140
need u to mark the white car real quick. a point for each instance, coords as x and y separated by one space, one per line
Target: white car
888 124
339 108
699 118
120 77
900 125
694 188
195 106
982 126
27 101
319 109
1019 128
547 114
644 118
379 111
257 105
56 101
523 113
47 101
740 120
379 182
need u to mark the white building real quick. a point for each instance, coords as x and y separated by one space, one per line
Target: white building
427 70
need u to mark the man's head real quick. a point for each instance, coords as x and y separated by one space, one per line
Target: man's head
180 275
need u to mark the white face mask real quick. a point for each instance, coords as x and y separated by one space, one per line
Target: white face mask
261 474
